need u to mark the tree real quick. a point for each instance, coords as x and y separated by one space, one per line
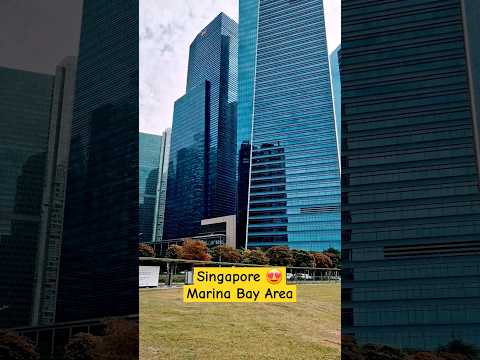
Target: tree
303 259
82 346
280 256
146 250
455 350
334 257
333 251
175 252
468 351
255 257
350 349
120 341
382 352
423 355
195 250
450 356
226 254
322 261
16 347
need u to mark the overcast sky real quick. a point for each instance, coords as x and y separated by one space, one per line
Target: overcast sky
166 31
37 35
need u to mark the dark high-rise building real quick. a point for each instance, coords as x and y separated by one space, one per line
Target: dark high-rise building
25 102
410 175
202 171
286 99
100 238
149 162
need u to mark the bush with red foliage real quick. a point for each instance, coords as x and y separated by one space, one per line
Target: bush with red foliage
322 261
255 257
119 342
146 250
16 347
195 250
280 256
226 254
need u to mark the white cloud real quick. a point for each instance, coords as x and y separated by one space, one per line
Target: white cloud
166 30
333 23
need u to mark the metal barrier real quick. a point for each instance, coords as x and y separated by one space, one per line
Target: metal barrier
176 271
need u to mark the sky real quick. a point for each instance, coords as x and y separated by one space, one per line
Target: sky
166 31
37 35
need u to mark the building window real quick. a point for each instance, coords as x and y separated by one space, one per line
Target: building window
347 317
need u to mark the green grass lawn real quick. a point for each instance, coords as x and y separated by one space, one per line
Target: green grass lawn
308 329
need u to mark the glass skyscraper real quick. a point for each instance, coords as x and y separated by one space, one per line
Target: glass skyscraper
153 170
247 40
410 178
149 162
26 98
337 91
247 50
285 89
100 238
202 172
161 191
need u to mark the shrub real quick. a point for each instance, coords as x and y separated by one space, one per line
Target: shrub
334 257
120 341
280 256
303 258
255 257
146 250
350 349
175 252
195 250
226 254
322 261
459 347
16 347
383 352
82 346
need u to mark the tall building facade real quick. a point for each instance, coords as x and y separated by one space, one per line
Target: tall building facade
50 241
161 196
202 175
337 92
153 161
410 175
26 99
247 40
149 162
100 235
294 195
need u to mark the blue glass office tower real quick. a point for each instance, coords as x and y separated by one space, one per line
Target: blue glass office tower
99 260
149 162
247 50
285 88
337 91
410 175
202 172
247 46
